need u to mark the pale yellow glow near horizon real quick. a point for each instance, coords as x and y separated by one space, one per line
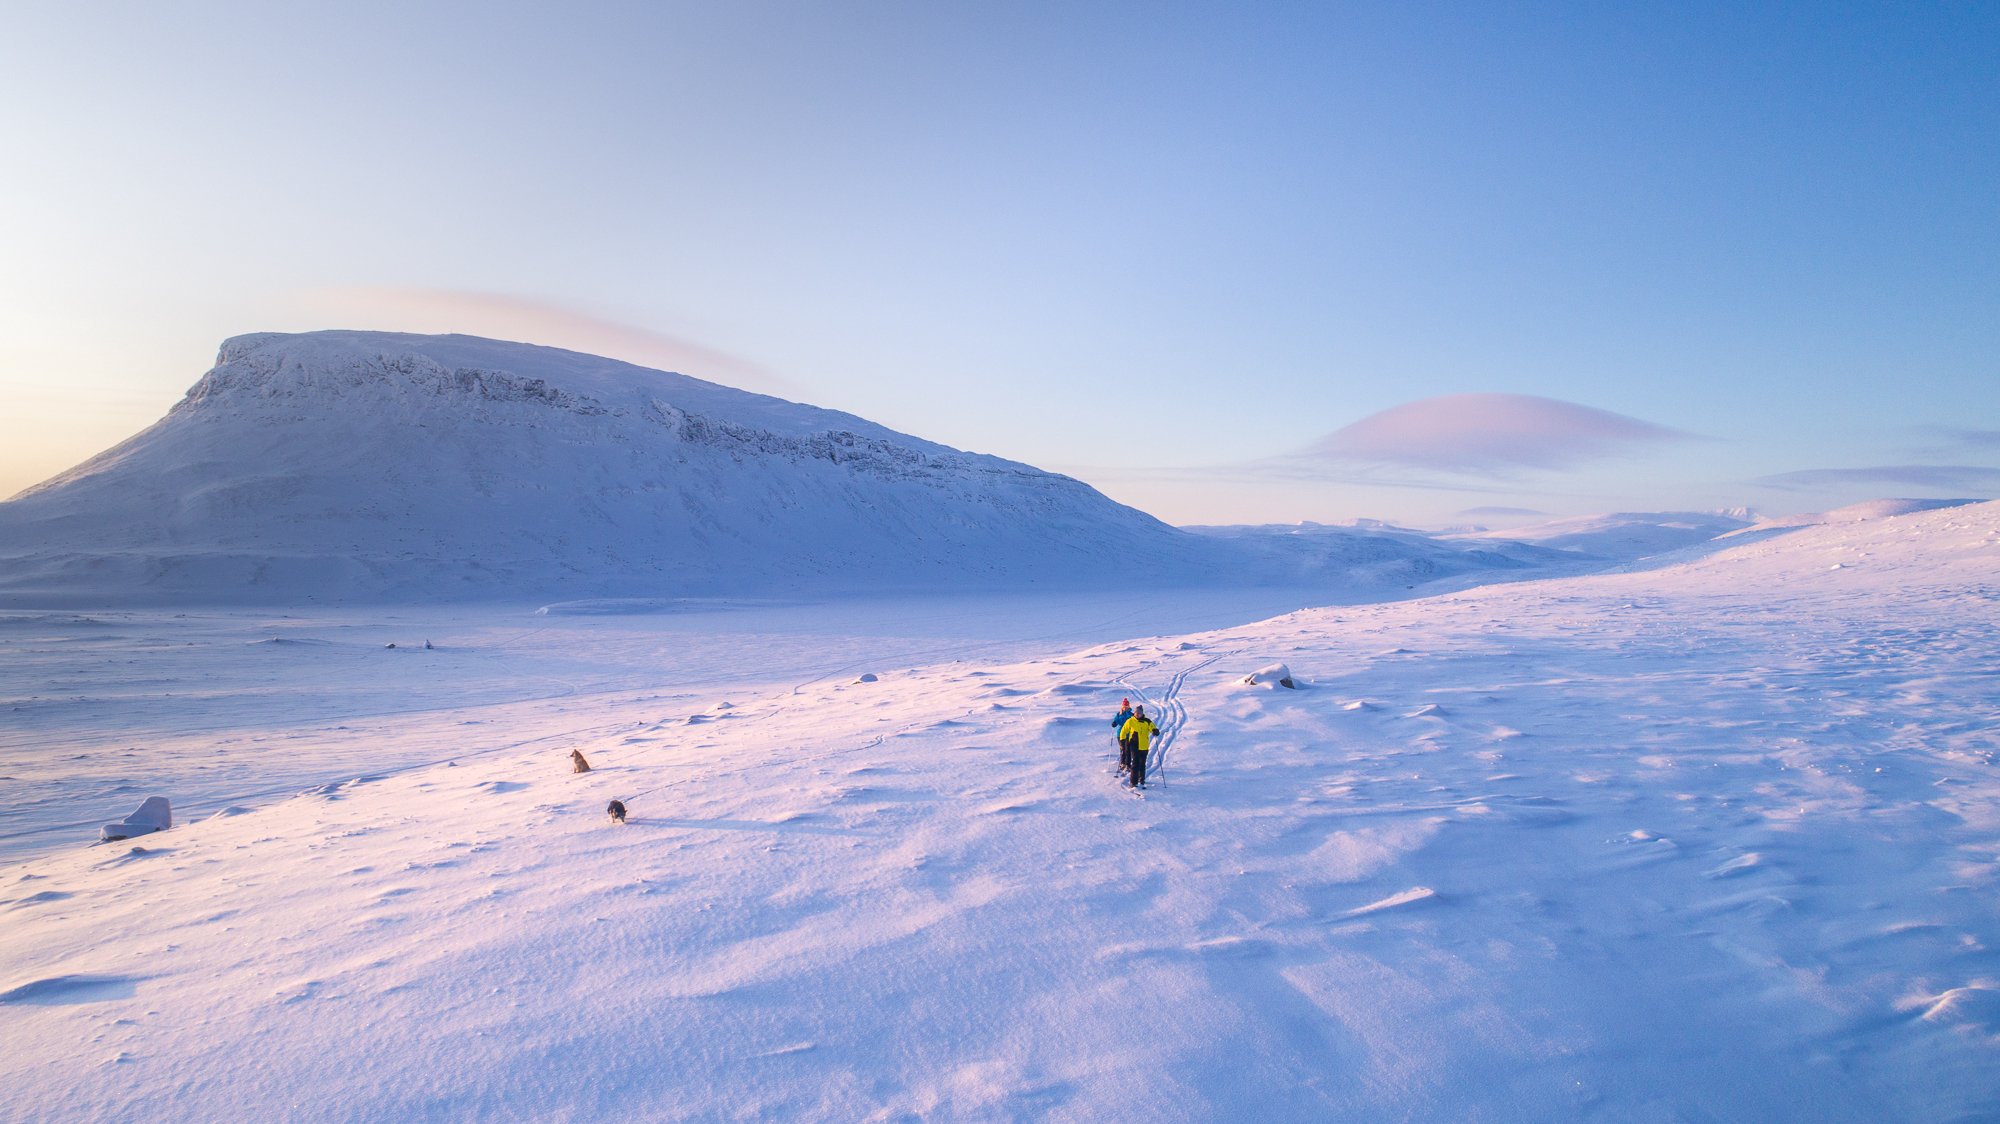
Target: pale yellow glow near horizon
59 416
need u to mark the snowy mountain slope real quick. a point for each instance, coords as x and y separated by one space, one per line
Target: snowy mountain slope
1713 841
1771 527
364 464
1621 536
1852 513
1380 554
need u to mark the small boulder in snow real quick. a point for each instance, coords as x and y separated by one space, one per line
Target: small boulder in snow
1277 674
155 814
866 677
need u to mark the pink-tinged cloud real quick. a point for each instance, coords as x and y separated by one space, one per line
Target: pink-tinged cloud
1487 434
525 320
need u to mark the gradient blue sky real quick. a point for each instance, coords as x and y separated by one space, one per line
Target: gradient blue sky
1227 263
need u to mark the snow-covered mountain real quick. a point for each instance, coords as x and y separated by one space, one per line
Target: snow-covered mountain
348 464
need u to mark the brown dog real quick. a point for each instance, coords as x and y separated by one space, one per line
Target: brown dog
576 762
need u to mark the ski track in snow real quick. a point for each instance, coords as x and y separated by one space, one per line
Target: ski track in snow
1712 841
1172 715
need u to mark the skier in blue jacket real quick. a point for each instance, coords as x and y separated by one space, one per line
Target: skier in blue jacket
1118 732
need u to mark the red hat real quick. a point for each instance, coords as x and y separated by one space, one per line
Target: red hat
1125 702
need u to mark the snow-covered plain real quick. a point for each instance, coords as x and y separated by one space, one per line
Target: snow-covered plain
221 708
1715 840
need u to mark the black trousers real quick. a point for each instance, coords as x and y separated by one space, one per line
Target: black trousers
1139 765
1125 753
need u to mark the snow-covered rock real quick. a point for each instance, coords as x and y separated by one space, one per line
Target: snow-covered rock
1271 675
154 814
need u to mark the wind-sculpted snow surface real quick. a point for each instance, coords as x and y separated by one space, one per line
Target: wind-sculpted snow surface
1710 842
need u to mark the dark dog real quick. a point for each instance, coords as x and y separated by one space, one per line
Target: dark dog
617 810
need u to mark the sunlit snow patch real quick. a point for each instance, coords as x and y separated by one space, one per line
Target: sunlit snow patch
1408 897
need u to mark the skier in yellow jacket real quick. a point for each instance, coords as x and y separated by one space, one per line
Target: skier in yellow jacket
1138 733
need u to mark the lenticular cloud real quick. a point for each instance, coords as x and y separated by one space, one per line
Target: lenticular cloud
1484 433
